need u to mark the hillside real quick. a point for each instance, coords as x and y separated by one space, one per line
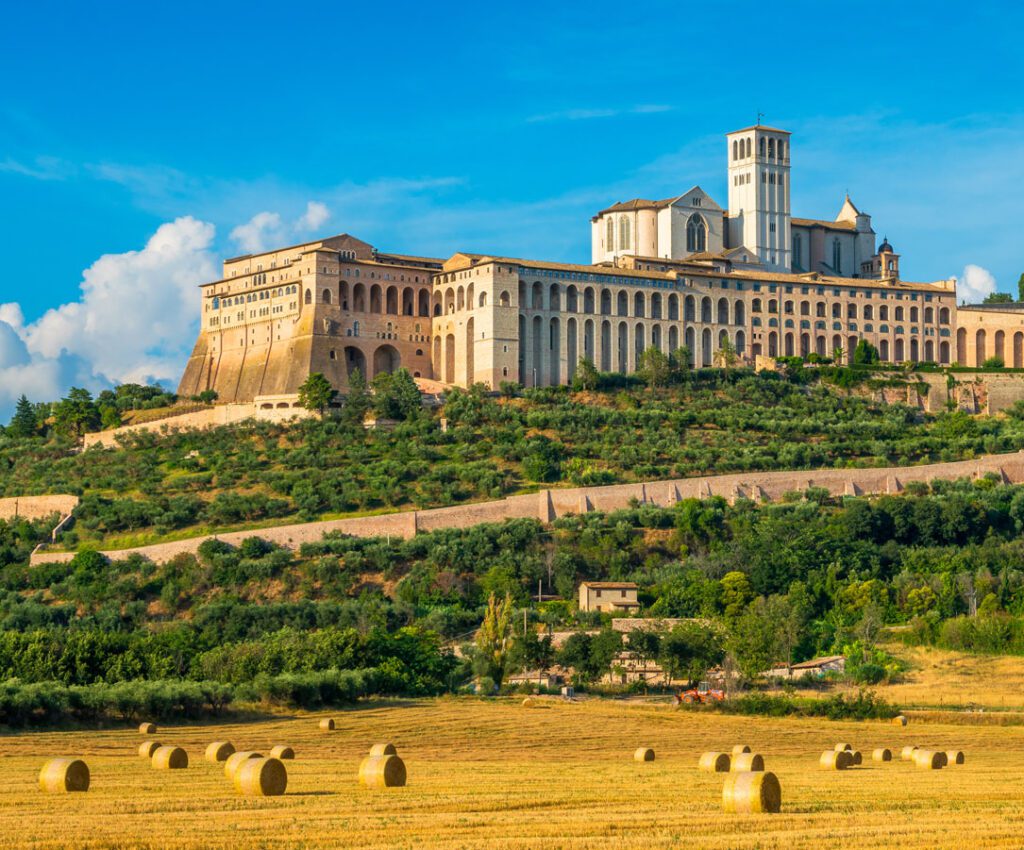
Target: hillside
479 447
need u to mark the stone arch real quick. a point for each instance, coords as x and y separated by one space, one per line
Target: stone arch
469 297
571 355
588 341
639 343
739 315
408 301
741 343
979 348
554 351
572 299
606 302
355 359
483 299
449 301
325 296
359 298
606 346
900 354
773 344
944 352
309 296
819 345
788 344
622 304
505 300
805 344
673 338
588 300
915 349
929 351
460 299
424 302
705 342
449 358
623 346
656 338
537 296
690 335
883 350
639 308
656 305
690 309
961 346
470 346
537 378
437 362
375 299
944 315
673 308
705 310
391 301
554 297
1018 350
386 359
999 348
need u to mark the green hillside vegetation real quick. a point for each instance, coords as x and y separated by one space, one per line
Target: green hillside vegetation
706 422
346 617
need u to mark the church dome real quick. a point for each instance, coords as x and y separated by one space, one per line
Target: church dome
886 247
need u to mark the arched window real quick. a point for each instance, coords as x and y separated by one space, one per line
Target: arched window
735 149
610 235
327 296
309 296
483 299
837 256
624 233
696 234
771 149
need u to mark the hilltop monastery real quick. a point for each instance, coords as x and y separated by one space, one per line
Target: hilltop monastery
668 273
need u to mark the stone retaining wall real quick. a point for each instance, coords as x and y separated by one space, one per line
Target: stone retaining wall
550 504
37 507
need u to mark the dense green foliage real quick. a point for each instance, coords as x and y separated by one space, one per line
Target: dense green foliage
715 421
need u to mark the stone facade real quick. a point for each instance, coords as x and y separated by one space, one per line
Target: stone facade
990 330
668 274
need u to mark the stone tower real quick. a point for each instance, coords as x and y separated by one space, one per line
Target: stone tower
759 211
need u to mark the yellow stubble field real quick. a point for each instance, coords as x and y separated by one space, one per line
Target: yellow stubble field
496 774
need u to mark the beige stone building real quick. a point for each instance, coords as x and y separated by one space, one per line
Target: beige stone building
670 274
608 596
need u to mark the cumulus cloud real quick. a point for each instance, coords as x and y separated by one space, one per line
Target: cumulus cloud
268 230
133 322
975 283
316 214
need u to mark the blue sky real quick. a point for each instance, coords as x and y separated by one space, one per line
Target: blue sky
431 128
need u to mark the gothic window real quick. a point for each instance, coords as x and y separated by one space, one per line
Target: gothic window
610 237
735 149
624 240
696 234
837 256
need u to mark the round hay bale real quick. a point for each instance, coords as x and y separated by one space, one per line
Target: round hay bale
834 760
60 776
147 728
382 772
954 757
715 763
928 760
899 720
219 751
147 748
261 778
740 748
907 753
882 754
383 750
751 793
856 758
282 752
747 763
528 702
327 724
840 747
236 759
943 758
170 758
644 754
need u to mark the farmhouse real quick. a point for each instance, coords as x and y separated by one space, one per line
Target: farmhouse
815 668
610 596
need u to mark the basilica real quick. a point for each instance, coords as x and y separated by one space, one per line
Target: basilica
679 273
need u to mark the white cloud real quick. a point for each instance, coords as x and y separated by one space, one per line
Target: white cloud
605 112
134 321
316 214
258 233
975 283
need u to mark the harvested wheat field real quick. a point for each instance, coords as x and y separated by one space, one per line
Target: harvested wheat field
492 774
